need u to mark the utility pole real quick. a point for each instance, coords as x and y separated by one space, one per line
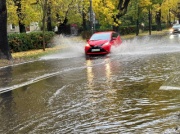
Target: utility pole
178 14
137 20
45 2
91 17
149 20
169 17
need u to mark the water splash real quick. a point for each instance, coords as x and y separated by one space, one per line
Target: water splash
147 45
73 47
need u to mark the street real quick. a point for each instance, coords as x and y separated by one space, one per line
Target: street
134 89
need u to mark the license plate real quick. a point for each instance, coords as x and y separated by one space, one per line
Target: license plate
95 50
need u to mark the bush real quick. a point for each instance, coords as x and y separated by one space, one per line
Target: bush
28 41
124 30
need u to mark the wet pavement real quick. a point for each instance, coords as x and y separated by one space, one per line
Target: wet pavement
134 89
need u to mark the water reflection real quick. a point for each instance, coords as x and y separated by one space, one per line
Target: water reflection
108 71
6 111
104 70
111 89
90 74
7 103
5 76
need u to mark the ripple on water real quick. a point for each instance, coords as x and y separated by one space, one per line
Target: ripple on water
172 83
119 95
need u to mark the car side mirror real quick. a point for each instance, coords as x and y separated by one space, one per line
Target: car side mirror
113 38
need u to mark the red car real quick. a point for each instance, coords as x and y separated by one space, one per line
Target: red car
101 42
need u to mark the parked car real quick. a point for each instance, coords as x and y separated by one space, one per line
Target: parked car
175 29
101 42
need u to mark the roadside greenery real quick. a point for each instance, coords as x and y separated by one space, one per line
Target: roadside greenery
23 41
26 56
105 11
124 16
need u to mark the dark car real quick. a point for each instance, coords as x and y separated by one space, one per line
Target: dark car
101 42
175 29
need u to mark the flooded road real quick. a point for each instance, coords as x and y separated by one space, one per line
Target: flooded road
135 89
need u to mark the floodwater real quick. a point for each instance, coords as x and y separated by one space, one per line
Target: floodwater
133 90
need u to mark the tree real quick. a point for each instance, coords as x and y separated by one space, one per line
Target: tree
44 19
107 12
43 4
62 13
23 12
49 24
122 10
110 11
4 48
20 15
169 10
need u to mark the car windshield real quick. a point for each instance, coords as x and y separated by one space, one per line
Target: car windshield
100 36
176 26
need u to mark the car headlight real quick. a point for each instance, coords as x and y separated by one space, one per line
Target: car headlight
87 45
107 43
171 30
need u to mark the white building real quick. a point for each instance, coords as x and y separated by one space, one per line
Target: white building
11 28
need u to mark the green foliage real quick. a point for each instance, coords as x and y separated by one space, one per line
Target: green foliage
124 30
28 12
105 11
127 29
28 41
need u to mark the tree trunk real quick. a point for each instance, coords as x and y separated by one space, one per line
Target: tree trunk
137 21
49 24
149 17
158 20
22 28
116 28
4 48
44 19
62 27
84 21
122 7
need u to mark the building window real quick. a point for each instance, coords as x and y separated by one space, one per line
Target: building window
12 27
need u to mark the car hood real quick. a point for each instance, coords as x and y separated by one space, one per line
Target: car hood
97 42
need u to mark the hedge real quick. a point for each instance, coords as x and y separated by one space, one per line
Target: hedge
123 30
28 41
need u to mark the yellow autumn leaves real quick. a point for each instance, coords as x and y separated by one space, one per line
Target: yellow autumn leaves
105 10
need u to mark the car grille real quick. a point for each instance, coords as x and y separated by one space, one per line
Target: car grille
96 47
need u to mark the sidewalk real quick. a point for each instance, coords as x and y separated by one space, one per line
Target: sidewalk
146 33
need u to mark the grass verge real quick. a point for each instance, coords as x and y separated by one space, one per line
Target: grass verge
20 57
145 33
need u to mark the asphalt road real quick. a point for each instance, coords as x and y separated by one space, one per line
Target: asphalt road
134 89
